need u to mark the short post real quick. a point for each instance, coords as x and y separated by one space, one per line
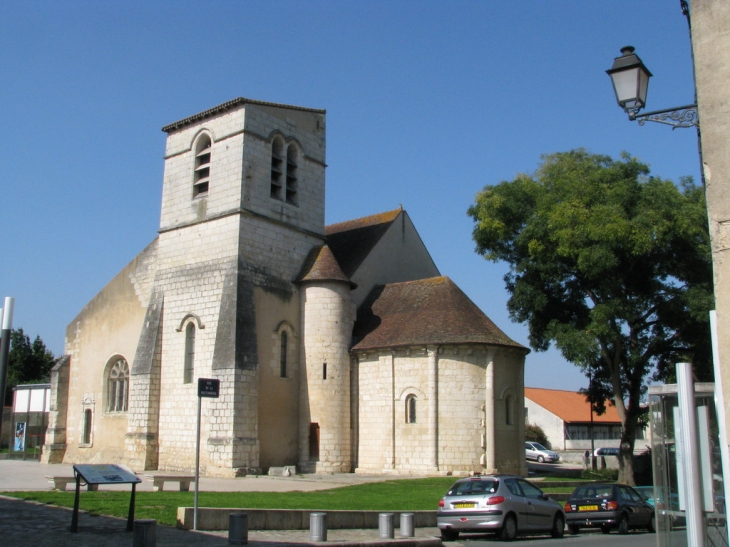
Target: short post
145 533
406 525
318 526
385 525
237 529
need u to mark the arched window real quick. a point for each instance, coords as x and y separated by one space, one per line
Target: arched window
117 386
291 174
411 409
282 354
189 353
508 418
86 435
201 179
277 167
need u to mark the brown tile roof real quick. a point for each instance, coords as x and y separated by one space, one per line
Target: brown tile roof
426 311
351 241
570 406
321 265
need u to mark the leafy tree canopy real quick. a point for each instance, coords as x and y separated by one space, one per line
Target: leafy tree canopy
28 363
611 265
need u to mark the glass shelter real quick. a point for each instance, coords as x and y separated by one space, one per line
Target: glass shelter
675 482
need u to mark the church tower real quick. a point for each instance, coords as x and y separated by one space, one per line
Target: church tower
328 316
242 206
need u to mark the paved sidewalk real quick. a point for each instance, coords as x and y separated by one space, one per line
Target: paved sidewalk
33 524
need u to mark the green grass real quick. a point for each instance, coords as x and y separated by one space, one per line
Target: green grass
394 495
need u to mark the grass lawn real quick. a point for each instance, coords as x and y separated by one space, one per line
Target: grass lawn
395 495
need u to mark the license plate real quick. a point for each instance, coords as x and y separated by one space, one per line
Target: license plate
588 508
464 505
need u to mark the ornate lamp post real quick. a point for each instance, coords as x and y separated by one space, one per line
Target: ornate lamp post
630 79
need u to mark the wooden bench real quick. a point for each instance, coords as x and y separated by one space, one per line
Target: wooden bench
59 483
158 481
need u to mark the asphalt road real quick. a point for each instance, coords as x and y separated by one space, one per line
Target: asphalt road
633 539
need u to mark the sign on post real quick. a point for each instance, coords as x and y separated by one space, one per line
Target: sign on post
207 387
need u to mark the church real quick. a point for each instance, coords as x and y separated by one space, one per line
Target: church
338 348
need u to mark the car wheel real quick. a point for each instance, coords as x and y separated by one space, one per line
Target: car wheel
540 459
623 525
447 534
573 529
509 528
652 525
558 529
606 529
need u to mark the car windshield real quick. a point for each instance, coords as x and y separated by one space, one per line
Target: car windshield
593 491
474 487
538 446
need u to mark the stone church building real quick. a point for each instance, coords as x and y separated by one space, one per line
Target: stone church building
338 348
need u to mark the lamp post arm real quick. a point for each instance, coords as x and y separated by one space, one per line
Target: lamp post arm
679 116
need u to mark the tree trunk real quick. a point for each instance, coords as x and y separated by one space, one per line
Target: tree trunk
626 451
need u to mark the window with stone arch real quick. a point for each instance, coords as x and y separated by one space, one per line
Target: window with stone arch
117 385
508 412
284 350
411 401
201 176
292 163
189 365
278 168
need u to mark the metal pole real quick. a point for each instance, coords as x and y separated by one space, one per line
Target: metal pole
197 468
590 402
7 327
691 457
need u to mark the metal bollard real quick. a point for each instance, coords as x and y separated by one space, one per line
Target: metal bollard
406 525
318 526
145 533
237 529
385 525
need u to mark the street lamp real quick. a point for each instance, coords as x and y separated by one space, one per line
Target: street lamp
630 79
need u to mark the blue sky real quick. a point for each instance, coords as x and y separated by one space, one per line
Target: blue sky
427 102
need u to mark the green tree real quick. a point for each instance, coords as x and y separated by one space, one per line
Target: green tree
28 363
536 434
611 265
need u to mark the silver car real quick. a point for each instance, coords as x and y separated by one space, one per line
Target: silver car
537 452
507 505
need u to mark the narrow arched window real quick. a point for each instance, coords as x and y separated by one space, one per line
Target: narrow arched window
118 386
411 409
277 168
291 174
86 435
282 354
508 418
189 353
201 178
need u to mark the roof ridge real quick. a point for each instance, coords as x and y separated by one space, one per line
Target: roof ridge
384 217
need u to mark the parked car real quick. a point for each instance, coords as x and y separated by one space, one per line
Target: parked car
608 507
676 517
507 505
537 452
605 451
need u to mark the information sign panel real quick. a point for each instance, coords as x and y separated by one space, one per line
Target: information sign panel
208 387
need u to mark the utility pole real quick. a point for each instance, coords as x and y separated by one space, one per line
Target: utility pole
7 326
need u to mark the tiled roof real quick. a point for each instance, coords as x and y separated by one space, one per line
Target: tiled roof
321 265
570 406
228 106
352 241
426 311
